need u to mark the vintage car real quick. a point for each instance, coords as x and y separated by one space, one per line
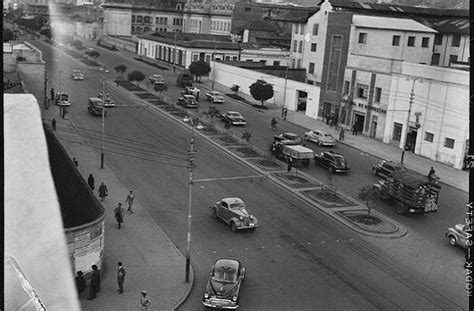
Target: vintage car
215 97
156 79
288 139
191 90
334 162
457 235
386 168
77 75
224 284
321 138
108 100
232 211
62 99
95 107
187 101
234 118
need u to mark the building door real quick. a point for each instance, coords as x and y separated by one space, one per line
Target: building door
326 110
302 99
373 127
411 139
359 122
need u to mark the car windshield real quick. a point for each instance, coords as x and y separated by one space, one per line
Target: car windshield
225 275
291 136
327 135
237 205
216 93
64 97
340 160
234 114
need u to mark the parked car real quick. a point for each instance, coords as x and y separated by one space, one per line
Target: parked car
224 284
457 235
232 211
321 138
156 79
188 101
95 107
288 139
234 118
62 99
215 97
108 100
191 90
386 168
77 75
334 162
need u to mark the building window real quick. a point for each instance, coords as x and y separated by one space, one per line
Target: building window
438 40
298 63
133 18
146 19
247 9
313 47
301 29
296 28
425 42
452 59
397 131
429 137
139 19
315 29
449 143
276 63
347 85
310 82
396 40
411 41
295 45
456 40
435 59
363 38
362 90
378 94
300 47
311 68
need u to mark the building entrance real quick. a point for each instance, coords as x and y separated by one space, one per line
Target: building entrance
359 122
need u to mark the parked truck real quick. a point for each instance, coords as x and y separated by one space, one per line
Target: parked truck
185 79
299 154
413 193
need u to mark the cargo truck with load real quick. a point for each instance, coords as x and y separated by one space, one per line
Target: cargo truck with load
185 79
299 154
413 193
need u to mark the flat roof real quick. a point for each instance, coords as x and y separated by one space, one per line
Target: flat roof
379 22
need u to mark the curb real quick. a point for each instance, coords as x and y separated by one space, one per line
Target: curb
186 295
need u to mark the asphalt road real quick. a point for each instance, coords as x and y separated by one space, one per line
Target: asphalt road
299 259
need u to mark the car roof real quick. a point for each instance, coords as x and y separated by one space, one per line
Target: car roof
333 154
232 200
232 112
227 263
189 95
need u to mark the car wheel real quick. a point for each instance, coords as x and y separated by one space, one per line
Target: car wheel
374 171
331 169
233 226
452 240
401 208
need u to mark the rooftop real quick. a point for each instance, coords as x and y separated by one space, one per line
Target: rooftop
379 22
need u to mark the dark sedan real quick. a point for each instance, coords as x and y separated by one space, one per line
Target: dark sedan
334 162
234 118
288 139
386 168
223 288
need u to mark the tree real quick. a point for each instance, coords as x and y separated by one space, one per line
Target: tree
261 90
137 76
368 195
46 32
121 69
212 112
94 54
199 68
160 87
247 136
8 35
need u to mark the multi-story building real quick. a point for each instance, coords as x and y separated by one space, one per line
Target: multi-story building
210 17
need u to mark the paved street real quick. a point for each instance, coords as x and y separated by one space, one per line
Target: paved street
300 244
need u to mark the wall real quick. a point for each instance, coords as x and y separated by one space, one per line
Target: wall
117 22
121 44
446 49
228 75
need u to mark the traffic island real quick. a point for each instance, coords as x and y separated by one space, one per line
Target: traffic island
130 86
244 152
267 163
295 181
328 198
146 96
372 224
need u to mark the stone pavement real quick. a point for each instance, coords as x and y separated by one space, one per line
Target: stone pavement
152 262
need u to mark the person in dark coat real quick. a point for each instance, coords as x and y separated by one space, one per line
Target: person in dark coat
53 124
103 191
119 214
290 163
95 283
120 277
52 94
76 163
354 129
80 282
90 181
341 134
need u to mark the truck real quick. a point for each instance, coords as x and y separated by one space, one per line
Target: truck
95 107
412 192
299 154
185 79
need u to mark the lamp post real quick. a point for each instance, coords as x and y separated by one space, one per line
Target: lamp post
45 91
284 89
103 125
412 96
174 54
213 65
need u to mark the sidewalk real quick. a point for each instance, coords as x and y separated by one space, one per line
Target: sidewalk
152 262
450 176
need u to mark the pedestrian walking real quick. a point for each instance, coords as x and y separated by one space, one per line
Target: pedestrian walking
273 123
354 129
53 124
328 116
95 283
80 283
130 198
290 163
76 163
145 302
120 277
119 214
285 112
341 134
103 191
331 119
90 181
52 94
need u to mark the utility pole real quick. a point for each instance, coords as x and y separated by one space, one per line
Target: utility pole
190 191
412 97
284 90
103 124
45 91
213 65
174 56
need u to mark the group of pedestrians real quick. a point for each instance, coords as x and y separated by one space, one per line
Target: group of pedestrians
95 287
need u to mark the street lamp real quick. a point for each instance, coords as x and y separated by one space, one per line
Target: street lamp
412 96
284 89
174 54
213 65
103 125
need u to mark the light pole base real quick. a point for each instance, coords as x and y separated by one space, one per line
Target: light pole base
188 261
